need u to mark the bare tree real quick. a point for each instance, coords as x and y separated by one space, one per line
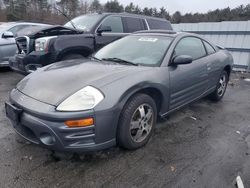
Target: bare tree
43 11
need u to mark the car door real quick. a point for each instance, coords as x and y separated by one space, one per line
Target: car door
117 31
190 81
7 49
8 46
213 65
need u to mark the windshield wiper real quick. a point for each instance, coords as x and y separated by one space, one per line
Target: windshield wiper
95 58
118 60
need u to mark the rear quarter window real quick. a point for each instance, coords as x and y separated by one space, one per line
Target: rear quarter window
159 24
134 24
209 48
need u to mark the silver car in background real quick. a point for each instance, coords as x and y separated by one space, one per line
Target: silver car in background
8 32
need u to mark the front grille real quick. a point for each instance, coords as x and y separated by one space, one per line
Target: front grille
22 45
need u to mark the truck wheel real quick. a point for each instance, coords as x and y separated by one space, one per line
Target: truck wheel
137 121
221 87
72 56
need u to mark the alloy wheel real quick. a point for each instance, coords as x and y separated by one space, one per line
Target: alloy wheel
222 85
141 123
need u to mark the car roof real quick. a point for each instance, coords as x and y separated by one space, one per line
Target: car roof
168 33
130 15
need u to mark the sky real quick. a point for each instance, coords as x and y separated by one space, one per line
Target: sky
186 6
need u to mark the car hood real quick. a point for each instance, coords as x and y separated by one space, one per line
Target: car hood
54 30
53 83
31 30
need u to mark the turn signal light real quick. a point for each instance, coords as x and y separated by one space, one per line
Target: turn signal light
80 123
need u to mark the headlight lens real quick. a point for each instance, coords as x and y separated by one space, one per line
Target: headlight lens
41 44
84 99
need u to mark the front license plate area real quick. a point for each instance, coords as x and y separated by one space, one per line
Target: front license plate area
12 112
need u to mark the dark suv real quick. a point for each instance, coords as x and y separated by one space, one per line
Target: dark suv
78 38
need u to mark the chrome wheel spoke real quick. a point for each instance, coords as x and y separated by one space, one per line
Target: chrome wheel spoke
148 128
223 79
142 111
220 90
138 134
135 125
149 115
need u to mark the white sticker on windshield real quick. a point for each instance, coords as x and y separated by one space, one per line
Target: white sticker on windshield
146 39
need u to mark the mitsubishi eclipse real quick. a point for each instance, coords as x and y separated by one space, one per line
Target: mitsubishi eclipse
116 96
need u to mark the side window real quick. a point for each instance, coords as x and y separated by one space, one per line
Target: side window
115 23
190 46
210 49
134 24
17 28
159 24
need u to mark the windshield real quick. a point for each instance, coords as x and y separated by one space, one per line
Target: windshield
5 26
84 23
140 50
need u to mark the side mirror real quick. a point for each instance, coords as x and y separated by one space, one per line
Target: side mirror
182 60
104 28
8 34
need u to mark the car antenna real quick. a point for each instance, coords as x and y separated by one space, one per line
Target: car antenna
65 16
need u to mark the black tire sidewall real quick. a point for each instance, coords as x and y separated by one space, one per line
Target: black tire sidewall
124 135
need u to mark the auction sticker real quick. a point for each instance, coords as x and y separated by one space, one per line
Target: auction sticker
147 39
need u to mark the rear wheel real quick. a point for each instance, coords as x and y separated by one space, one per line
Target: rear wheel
72 56
218 94
137 122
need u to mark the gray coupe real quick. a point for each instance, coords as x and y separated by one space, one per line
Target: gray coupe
115 97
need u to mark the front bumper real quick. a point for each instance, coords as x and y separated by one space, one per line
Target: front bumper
26 64
49 131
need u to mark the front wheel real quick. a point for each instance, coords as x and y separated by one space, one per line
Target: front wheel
221 87
137 122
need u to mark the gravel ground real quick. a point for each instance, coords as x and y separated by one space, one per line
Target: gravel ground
203 145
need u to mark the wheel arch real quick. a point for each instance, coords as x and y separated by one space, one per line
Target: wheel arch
84 51
154 92
228 69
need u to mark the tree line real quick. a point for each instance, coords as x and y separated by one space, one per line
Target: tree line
50 11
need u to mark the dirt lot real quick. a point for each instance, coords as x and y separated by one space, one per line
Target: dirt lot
203 145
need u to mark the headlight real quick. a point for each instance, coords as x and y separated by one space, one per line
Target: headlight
41 44
84 99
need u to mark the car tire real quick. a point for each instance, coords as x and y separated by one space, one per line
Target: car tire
137 121
72 56
221 87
